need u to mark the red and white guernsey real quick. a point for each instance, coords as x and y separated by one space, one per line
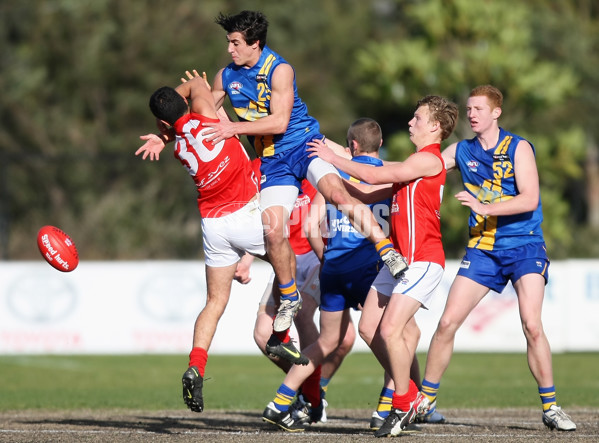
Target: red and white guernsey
416 216
297 238
223 173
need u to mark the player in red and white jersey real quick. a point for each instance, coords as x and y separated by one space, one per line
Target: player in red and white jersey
416 217
227 200
223 173
387 322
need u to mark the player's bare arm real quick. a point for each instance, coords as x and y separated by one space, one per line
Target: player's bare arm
342 151
421 164
218 92
201 102
151 148
221 113
198 95
368 194
281 105
155 143
448 155
527 181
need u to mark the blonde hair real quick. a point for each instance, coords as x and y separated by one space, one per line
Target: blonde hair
443 111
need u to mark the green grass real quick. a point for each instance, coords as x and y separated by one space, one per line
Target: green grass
249 382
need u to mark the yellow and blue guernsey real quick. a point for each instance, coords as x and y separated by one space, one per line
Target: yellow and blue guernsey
249 90
477 166
347 249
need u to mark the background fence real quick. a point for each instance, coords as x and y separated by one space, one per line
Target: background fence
150 307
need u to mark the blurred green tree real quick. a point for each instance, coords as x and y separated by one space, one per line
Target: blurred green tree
76 76
447 47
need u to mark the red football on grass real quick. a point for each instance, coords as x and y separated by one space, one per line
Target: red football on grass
57 248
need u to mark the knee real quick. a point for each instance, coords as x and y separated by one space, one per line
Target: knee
262 330
273 225
323 347
273 236
216 305
533 329
260 339
388 333
337 194
339 198
446 329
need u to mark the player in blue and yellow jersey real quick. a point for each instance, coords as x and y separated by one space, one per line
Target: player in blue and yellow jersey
350 264
506 243
261 87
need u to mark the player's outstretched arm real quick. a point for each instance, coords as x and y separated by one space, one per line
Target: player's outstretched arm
449 156
368 194
341 151
155 143
152 147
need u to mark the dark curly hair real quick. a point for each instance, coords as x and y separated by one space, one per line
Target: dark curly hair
167 104
251 24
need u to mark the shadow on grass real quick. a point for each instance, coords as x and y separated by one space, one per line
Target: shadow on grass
214 422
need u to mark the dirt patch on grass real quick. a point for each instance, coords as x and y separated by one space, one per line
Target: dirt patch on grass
343 425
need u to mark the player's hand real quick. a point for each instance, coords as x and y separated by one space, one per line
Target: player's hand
469 200
152 147
320 149
242 273
219 131
193 74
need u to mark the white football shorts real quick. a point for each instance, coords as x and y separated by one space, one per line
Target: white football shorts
285 195
418 282
228 238
307 279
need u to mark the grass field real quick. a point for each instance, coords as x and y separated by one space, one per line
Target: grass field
152 382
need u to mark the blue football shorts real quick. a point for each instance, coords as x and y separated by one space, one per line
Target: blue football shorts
493 269
287 168
340 291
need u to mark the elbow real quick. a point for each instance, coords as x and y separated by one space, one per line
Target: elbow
534 202
529 205
534 205
281 125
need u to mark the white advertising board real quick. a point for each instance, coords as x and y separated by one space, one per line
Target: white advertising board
150 307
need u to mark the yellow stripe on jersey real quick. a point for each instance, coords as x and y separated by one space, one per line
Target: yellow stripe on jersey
265 70
264 145
504 145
